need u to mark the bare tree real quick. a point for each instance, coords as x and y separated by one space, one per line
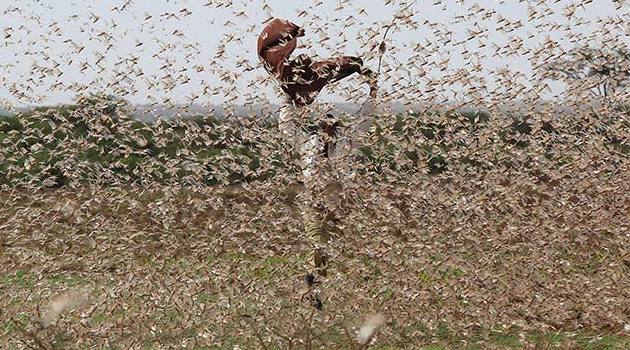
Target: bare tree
599 71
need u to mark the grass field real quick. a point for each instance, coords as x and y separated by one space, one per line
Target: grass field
516 237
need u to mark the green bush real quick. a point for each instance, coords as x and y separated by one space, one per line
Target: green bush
8 124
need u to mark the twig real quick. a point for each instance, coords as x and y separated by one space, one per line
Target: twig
257 334
307 325
29 334
382 45
278 334
347 332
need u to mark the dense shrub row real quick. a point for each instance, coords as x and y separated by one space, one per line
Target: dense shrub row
95 140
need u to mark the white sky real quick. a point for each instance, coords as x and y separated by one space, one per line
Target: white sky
34 39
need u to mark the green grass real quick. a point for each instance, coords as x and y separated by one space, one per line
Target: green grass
442 337
68 281
19 278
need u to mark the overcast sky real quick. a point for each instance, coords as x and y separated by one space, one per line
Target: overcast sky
157 50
